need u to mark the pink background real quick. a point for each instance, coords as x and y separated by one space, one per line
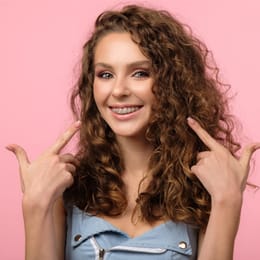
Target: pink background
40 47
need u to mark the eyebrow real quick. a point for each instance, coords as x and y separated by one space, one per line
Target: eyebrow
132 64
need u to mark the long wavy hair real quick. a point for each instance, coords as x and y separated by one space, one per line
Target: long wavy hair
186 83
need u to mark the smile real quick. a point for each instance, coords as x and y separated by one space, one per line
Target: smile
125 110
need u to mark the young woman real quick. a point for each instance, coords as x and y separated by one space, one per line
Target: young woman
155 175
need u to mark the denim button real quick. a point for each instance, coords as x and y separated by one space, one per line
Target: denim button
182 245
77 237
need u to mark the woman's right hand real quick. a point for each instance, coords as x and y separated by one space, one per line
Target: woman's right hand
44 180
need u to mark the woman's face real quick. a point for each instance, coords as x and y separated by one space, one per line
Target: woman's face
123 85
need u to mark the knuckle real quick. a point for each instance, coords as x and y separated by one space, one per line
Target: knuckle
250 149
70 167
67 156
63 166
194 168
68 178
55 159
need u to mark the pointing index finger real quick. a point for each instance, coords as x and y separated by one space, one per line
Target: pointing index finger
204 136
65 138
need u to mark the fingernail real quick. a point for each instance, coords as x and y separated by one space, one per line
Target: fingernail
78 123
191 120
9 148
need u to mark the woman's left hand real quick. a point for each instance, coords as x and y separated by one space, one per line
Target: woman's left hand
219 171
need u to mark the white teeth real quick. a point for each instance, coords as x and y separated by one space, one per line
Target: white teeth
124 110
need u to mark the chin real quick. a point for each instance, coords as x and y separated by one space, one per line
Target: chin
129 134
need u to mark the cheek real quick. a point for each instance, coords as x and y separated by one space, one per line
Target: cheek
101 91
147 92
148 96
98 93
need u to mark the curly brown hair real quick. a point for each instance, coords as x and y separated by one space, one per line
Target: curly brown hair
186 84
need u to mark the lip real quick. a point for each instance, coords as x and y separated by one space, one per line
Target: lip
124 105
124 117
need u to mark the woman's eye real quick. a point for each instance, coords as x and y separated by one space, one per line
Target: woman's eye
105 75
141 74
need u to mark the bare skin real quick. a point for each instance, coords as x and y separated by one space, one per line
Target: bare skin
225 178
44 180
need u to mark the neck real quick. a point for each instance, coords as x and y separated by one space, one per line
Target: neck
136 153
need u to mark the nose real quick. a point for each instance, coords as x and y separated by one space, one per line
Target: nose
120 88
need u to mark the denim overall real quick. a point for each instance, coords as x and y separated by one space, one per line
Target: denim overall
93 238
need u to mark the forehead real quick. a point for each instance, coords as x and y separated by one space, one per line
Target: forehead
117 48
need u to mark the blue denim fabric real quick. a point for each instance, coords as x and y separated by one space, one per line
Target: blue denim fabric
90 237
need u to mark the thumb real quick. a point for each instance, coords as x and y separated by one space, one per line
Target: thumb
20 154
248 152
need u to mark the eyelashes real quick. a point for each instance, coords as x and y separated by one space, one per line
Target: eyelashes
104 75
139 74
